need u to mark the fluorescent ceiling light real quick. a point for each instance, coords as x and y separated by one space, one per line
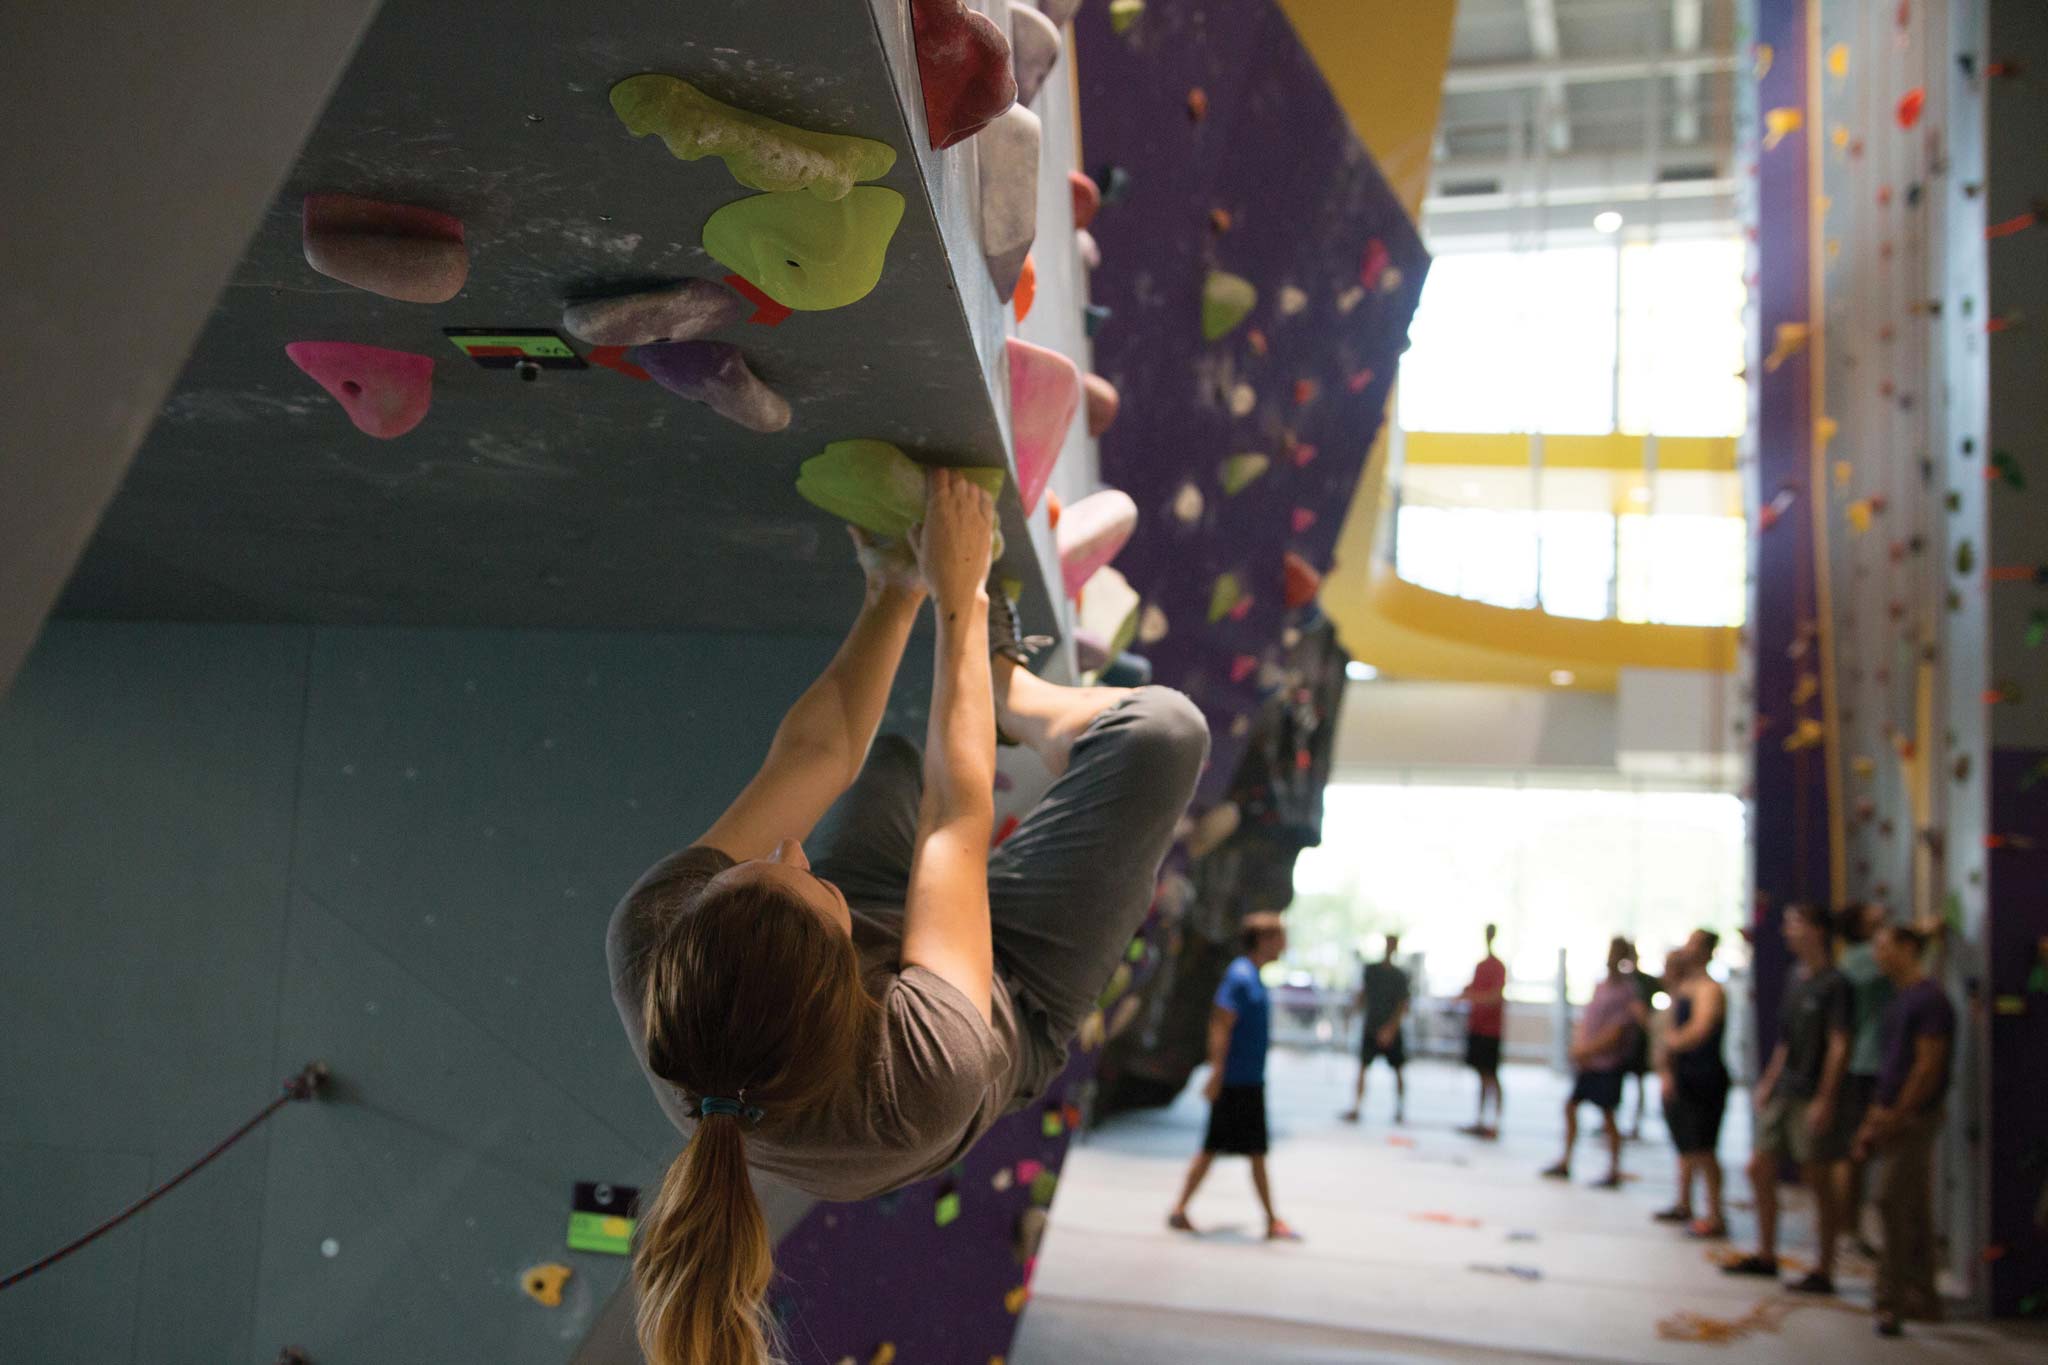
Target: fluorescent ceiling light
1609 222
1360 672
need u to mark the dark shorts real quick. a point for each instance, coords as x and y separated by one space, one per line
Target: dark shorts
1856 1096
1601 1089
1482 1054
1693 1114
1781 1127
1369 1047
1237 1122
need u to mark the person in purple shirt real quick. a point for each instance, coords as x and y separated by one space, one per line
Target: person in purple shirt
1601 1050
1918 1038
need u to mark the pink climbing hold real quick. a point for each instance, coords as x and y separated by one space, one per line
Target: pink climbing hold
1103 403
1087 197
1091 533
1242 667
400 251
1374 264
385 393
1303 519
1045 388
963 63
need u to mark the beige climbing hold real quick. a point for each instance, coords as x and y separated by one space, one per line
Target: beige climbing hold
1007 162
1292 300
1034 48
1151 625
1243 398
1109 610
1187 504
543 1283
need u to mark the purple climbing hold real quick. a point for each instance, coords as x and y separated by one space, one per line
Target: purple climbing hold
681 312
385 393
716 375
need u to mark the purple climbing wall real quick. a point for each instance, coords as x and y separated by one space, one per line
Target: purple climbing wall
1271 185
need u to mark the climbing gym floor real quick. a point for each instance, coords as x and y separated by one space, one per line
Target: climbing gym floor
1390 1270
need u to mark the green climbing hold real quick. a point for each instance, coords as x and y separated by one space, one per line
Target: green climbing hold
1124 13
875 486
761 152
807 253
1966 558
1226 299
1042 1186
947 1209
2037 628
1241 471
1224 596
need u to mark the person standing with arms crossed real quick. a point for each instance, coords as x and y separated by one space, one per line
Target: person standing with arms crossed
1798 1110
1484 1024
1240 1027
1695 1081
1905 1118
1383 1000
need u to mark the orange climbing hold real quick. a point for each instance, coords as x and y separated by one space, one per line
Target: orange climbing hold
1302 580
1027 287
1911 104
1198 104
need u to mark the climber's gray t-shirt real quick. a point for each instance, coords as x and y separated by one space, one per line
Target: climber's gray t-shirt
940 1076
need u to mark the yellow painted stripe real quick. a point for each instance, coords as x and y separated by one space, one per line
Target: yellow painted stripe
1715 454
1816 472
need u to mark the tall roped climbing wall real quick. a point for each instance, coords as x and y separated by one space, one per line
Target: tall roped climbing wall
1898 622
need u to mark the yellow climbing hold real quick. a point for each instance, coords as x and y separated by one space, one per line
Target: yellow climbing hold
1809 735
1838 60
1226 299
1124 13
761 152
874 485
804 252
1780 124
1224 596
1241 471
1764 53
1791 339
1824 429
1844 471
543 1283
1840 137
1014 1300
885 1354
1858 514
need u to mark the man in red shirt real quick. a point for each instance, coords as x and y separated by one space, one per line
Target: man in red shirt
1486 997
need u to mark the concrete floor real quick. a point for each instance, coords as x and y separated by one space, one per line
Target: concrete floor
1376 1280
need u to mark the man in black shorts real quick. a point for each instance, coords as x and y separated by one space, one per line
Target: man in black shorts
1240 1024
1485 1021
1383 1001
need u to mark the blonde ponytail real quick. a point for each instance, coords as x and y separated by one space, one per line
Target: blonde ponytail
704 1259
751 1001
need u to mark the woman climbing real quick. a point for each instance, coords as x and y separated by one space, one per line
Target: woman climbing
851 1024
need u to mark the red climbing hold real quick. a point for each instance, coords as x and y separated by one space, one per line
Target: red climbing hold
400 251
767 312
963 63
614 358
1198 104
385 393
1910 105
1303 519
1302 581
1087 197
1242 667
1360 380
1301 452
1374 266
1304 391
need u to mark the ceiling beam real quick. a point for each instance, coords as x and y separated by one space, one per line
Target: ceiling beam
1482 76
1687 29
1565 196
1543 42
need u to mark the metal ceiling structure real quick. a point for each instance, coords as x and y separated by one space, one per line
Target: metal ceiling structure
1557 109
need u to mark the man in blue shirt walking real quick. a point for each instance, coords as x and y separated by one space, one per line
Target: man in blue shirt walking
1240 1025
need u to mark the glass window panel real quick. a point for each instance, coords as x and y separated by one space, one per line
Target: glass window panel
1681 570
1683 338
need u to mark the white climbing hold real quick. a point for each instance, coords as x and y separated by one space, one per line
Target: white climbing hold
1151 625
